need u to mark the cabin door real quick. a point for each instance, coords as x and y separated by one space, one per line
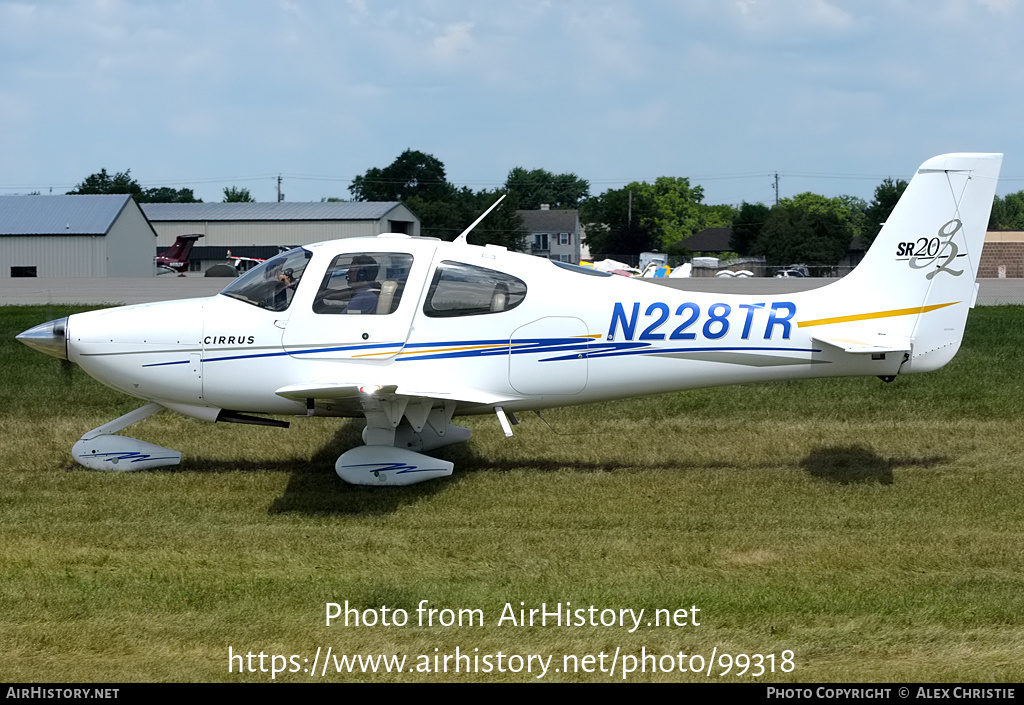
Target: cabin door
362 310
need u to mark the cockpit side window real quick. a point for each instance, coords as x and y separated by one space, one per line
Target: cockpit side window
272 284
466 290
363 283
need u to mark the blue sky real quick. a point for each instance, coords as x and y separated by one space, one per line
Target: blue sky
833 95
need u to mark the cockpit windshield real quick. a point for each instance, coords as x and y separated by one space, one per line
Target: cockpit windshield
272 284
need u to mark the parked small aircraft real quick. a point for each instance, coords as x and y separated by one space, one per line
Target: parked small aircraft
242 263
408 333
236 261
175 258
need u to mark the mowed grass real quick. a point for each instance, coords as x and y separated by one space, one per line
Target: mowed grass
874 530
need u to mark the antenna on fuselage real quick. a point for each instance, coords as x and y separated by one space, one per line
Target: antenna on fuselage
462 238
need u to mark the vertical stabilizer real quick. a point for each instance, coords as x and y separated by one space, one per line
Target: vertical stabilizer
918 279
182 248
175 258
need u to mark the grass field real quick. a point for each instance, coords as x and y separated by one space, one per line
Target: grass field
873 530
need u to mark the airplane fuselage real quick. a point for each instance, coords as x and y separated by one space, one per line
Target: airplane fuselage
575 337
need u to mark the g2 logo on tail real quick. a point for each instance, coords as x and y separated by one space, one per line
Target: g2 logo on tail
926 250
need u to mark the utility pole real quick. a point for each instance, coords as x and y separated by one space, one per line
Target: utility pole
776 188
280 196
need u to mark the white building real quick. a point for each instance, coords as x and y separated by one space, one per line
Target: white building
75 236
259 229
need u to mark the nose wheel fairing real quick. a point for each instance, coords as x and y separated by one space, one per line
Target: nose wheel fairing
100 449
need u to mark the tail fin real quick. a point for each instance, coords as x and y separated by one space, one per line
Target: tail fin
182 248
918 279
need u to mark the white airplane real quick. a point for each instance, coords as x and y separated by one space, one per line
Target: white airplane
408 333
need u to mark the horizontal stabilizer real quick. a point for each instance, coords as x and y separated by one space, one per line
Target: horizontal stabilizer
868 344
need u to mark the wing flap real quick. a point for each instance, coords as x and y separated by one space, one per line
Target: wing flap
330 390
358 391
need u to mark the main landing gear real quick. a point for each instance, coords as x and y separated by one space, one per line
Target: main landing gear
390 457
396 430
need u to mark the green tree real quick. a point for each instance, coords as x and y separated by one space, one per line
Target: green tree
613 226
103 183
165 194
418 181
446 218
887 194
720 216
1007 212
668 209
122 182
529 189
413 173
806 228
747 227
234 194
856 212
643 216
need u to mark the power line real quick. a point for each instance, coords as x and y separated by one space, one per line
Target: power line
153 183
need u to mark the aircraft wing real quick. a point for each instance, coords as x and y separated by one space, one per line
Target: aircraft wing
868 344
385 406
365 391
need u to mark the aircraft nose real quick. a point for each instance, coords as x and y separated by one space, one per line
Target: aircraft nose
49 338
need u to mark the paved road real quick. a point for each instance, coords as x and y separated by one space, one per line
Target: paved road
167 287
993 291
108 290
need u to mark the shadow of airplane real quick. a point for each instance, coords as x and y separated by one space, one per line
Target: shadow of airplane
858 464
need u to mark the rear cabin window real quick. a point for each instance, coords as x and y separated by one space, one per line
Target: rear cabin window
465 290
363 283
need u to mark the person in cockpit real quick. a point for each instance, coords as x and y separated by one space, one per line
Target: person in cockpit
286 282
362 278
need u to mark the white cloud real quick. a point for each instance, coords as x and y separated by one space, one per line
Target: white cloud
999 7
606 88
454 42
787 20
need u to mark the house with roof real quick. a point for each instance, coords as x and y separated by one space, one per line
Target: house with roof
75 236
554 234
259 230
